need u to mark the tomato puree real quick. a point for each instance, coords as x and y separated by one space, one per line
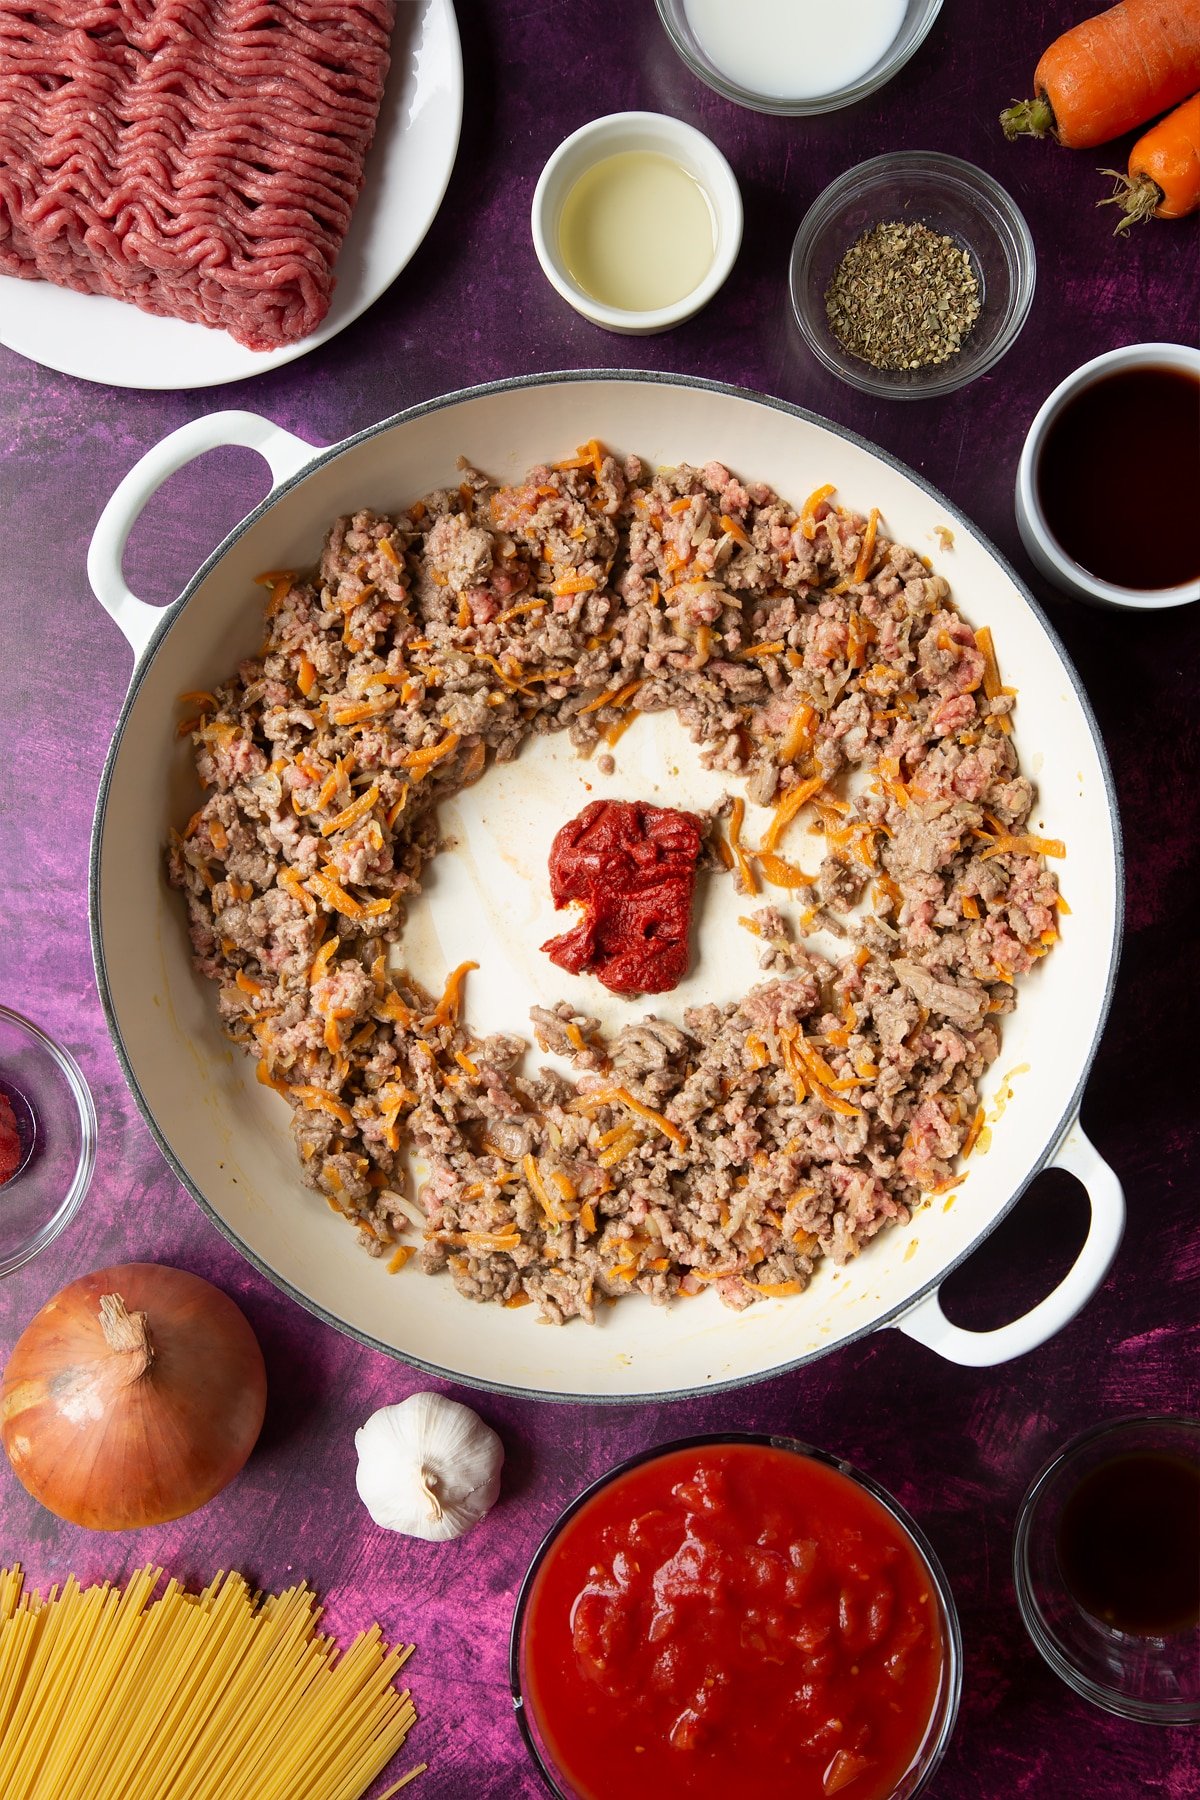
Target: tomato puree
731 1619
631 868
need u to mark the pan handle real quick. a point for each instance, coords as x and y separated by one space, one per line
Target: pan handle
284 454
928 1324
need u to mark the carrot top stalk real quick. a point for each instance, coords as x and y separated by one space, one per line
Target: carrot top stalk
1112 72
1163 181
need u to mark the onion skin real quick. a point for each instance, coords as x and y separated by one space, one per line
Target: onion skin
112 1438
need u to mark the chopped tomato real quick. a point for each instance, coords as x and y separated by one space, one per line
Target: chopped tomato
732 1619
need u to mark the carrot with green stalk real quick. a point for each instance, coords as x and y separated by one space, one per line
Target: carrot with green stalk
1112 72
1163 180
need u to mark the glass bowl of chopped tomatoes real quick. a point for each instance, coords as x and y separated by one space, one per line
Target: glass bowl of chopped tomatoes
870 309
47 1139
735 1614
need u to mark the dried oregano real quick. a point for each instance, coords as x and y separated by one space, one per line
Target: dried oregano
902 297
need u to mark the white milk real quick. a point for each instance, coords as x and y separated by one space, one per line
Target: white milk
795 49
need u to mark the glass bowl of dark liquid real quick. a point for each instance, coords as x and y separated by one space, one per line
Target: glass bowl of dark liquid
1107 1567
47 1139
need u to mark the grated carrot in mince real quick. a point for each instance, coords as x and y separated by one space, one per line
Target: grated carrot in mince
616 731
620 696
777 1289
751 925
992 685
972 1136
248 984
466 1065
319 1099
792 1064
799 734
489 1241
537 1187
759 1055
808 512
622 1097
365 709
779 873
619 1149
970 906
575 584
587 1218
493 662
399 1257
1023 846
321 961
862 567
446 1010
432 753
736 531
737 814
775 648
522 606
262 1070
218 836
334 895
350 815
788 807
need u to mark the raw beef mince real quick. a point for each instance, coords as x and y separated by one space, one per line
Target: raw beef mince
200 158
812 659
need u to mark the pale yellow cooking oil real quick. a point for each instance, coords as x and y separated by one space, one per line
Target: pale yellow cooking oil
637 231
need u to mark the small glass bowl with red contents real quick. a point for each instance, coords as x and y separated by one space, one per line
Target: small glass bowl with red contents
47 1139
737 1613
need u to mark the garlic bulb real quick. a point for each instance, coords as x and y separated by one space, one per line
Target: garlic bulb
428 1467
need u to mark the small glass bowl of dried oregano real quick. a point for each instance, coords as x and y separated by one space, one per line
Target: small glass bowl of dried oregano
912 274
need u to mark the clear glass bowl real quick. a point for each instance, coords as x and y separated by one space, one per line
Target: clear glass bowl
953 198
56 1125
945 1710
1154 1679
919 16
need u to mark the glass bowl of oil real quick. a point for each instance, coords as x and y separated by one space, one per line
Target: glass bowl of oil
1106 1562
637 221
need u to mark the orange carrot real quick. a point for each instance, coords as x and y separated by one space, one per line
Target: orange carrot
1164 170
1112 72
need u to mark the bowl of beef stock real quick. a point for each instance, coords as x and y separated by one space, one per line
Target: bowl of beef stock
226 1134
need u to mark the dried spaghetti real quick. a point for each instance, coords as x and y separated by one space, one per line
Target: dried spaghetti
111 1694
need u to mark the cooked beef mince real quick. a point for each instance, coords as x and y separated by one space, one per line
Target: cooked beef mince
809 657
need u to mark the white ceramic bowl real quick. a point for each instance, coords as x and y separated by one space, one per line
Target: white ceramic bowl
613 135
1044 550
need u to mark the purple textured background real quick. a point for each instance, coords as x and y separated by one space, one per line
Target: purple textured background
956 1446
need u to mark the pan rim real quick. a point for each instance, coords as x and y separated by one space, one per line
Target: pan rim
321 459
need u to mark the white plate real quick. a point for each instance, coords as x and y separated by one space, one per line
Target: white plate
407 172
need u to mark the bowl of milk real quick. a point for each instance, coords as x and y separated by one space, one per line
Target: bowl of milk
796 56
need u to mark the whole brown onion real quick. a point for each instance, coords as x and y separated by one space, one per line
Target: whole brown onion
132 1397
